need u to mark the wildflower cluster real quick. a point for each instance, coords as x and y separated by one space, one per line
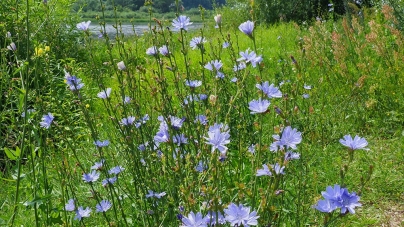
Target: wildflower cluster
235 215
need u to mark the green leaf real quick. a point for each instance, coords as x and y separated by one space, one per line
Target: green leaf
38 200
11 154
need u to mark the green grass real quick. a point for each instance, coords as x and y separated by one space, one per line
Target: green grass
355 73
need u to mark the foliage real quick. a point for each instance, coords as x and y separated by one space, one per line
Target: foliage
128 131
161 6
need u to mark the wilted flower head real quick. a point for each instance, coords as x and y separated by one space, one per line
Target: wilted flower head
121 65
197 42
354 144
247 28
181 22
104 94
218 20
12 47
151 51
83 25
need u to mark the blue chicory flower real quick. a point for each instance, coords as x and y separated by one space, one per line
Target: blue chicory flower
193 83
121 65
355 143
194 220
290 138
270 90
98 165
73 82
337 197
258 106
239 67
164 50
99 143
180 139
128 121
103 206
218 137
264 171
70 206
46 120
212 216
200 167
250 57
155 194
247 28
201 119
116 170
91 177
152 51
107 181
104 94
12 47
291 156
84 26
181 22
82 213
197 42
240 215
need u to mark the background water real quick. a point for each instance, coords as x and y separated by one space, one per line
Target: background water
129 30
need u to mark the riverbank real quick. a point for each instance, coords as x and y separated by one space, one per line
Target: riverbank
143 17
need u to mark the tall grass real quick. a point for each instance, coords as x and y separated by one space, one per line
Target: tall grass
160 129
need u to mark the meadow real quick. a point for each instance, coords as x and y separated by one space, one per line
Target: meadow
232 124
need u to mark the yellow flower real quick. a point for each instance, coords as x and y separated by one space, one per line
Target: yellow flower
87 106
47 48
39 51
